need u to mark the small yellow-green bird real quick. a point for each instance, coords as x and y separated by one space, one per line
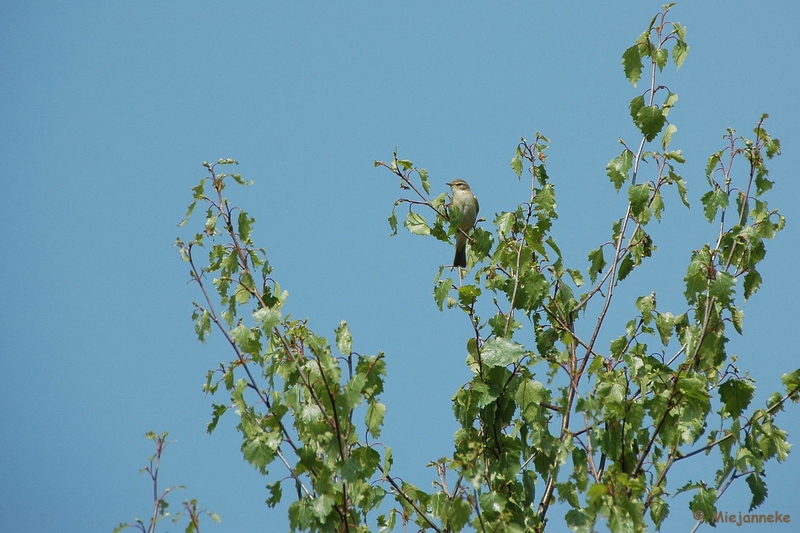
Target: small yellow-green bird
467 204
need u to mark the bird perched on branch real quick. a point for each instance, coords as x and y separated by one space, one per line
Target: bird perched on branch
467 204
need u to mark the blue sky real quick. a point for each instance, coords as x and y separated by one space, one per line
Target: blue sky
107 110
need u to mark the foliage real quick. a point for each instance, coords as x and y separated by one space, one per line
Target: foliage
597 429
160 503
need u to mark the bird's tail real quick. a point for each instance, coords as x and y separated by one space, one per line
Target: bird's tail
460 259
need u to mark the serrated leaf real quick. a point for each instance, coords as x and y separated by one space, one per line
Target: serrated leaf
501 352
597 261
680 51
667 137
275 494
638 196
322 506
267 318
758 488
618 168
697 274
459 512
650 120
344 340
669 103
703 504
660 56
681 185
579 521
722 288
423 177
665 322
441 291
393 222
714 201
752 281
416 224
632 64
577 277
516 165
657 205
216 413
625 267
374 418
635 106
713 160
736 395
675 155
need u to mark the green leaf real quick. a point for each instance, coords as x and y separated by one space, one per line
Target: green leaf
245 224
458 515
697 274
736 394
635 106
667 138
501 352
650 120
597 261
441 291
242 295
679 52
632 64
259 451
374 418
659 509
713 201
577 277
758 488
423 177
660 56
416 224
267 318
722 288
492 502
669 103
638 196
275 494
505 222
352 390
625 267
657 205
752 281
202 325
216 413
579 521
665 322
529 397
247 339
393 221
703 504
516 164
321 507
618 168
791 381
713 160
681 188
344 340
299 515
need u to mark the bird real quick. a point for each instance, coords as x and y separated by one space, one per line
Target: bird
467 204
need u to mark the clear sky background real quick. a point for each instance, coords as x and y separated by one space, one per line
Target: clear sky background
107 110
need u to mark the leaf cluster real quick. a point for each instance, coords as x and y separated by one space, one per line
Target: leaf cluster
600 429
561 406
